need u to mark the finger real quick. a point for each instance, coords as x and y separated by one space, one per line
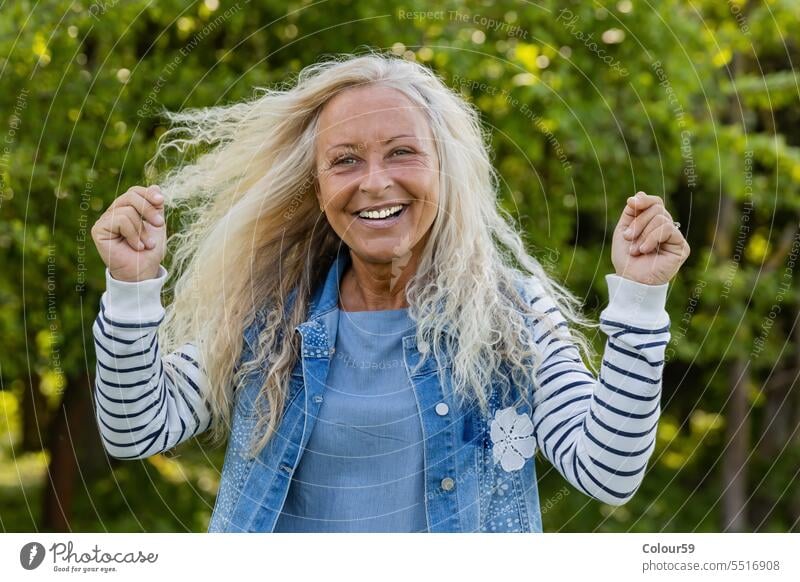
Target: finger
634 206
654 223
641 202
103 229
130 231
143 206
663 233
637 225
150 204
143 229
108 226
153 193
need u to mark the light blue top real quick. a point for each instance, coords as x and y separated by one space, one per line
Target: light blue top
363 467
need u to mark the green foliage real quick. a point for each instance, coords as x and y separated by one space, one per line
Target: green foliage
693 101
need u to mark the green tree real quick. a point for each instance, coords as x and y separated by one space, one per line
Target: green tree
584 103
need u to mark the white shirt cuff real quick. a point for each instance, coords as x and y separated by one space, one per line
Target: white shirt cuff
134 301
633 302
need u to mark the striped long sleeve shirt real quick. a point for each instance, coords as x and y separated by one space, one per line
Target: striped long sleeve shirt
144 403
598 432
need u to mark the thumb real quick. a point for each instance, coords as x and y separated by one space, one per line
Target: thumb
628 214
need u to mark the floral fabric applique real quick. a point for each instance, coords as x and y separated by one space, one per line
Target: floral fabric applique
512 438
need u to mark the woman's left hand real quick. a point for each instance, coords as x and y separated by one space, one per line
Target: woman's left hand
654 249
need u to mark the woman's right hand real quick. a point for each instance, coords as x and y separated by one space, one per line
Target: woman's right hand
131 234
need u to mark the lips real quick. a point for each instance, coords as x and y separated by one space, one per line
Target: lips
395 210
382 206
379 223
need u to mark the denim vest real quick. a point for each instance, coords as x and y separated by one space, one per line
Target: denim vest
471 482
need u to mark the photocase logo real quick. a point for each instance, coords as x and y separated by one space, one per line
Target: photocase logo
31 555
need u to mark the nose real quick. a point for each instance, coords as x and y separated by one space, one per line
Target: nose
376 179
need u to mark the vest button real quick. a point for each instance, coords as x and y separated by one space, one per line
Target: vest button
318 398
442 408
448 483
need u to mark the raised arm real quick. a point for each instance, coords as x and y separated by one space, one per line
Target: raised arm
600 433
144 403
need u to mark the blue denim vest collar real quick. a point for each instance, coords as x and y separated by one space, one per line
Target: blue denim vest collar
465 490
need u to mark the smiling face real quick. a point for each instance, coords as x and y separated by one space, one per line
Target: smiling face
375 152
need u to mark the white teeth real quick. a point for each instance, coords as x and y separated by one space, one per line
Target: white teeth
383 213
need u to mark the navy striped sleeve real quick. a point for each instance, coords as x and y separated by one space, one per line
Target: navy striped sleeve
599 433
145 404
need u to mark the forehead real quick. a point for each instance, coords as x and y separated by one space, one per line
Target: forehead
369 114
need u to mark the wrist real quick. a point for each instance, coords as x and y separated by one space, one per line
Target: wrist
134 300
634 301
138 278
651 281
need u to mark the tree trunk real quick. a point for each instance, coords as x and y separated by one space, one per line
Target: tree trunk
734 460
34 416
794 441
73 445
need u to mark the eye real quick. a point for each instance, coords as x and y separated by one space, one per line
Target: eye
402 150
337 161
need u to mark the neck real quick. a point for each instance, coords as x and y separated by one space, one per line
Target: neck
368 286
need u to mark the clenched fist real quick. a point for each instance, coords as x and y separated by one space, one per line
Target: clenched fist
647 246
131 234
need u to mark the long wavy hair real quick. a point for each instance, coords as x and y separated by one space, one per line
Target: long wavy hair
252 232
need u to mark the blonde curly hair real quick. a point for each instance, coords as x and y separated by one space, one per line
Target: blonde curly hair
253 233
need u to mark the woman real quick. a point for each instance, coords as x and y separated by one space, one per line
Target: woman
345 265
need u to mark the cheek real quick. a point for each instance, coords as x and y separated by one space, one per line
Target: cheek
333 190
432 192
423 183
427 206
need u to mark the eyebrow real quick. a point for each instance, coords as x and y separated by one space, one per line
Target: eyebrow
338 145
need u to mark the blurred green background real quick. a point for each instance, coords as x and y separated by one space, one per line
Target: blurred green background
587 102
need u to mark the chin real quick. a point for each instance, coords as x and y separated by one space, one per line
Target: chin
379 254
